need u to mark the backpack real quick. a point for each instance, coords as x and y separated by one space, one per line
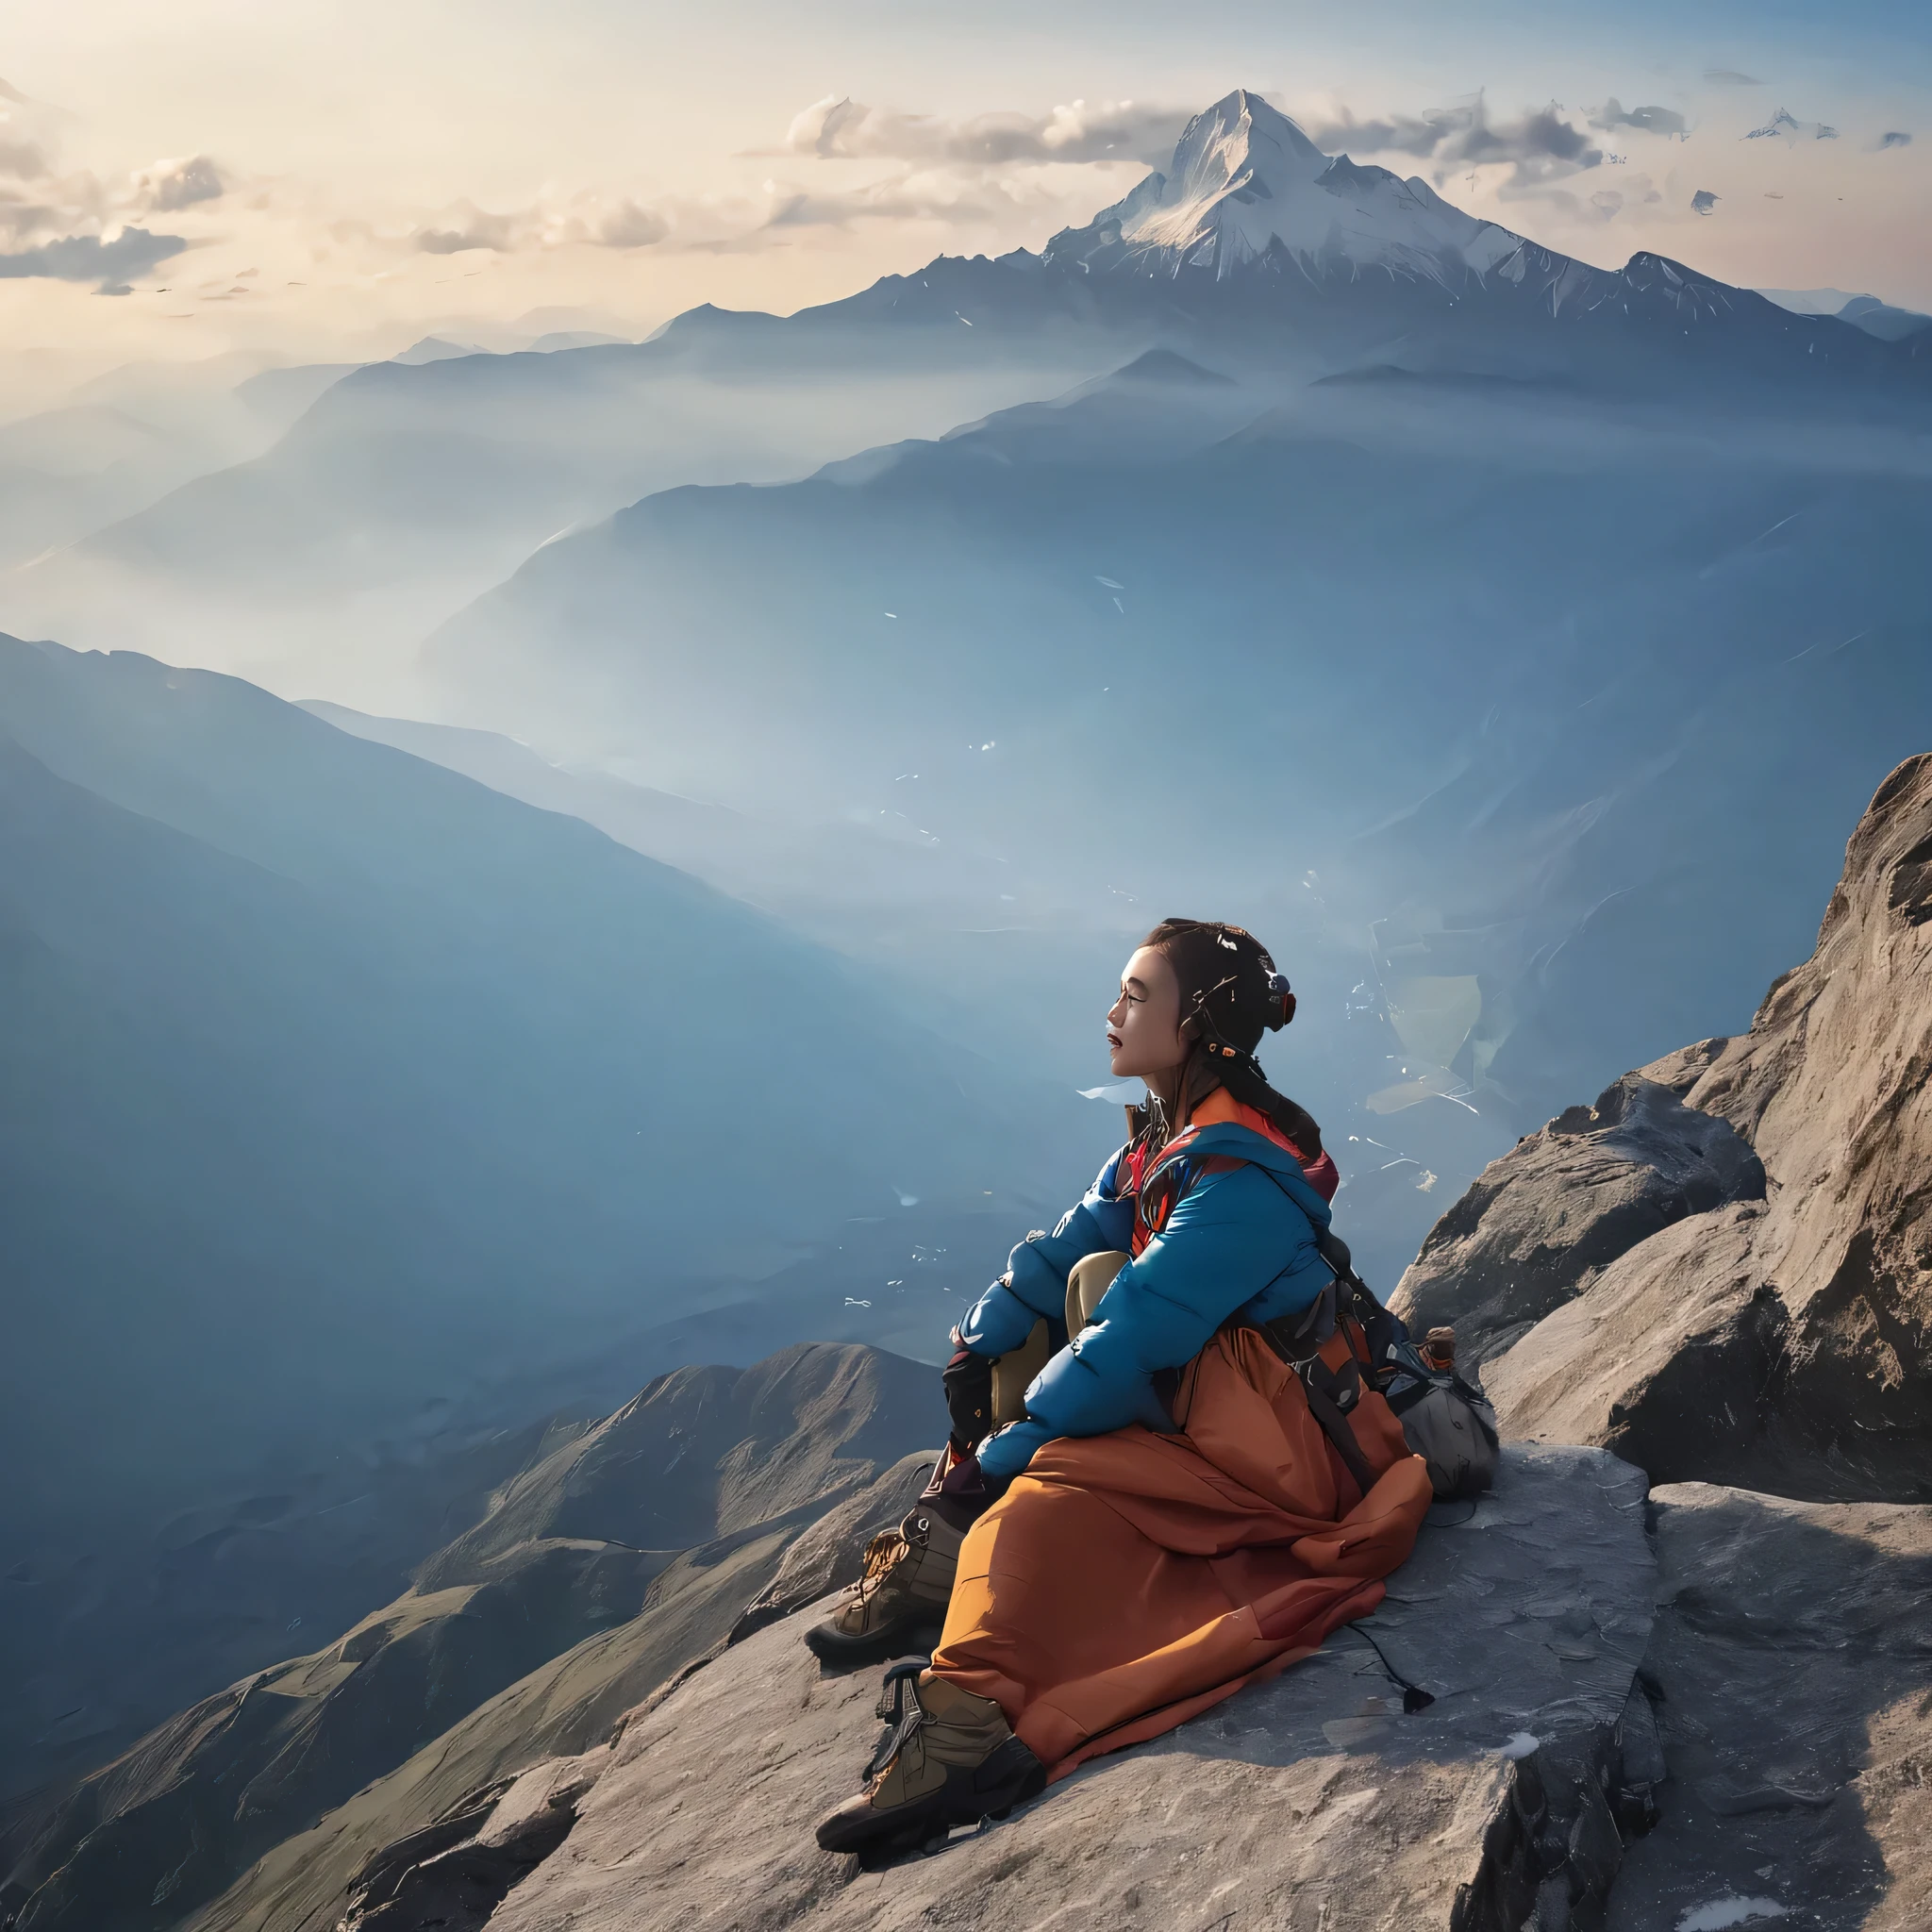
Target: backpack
1446 1421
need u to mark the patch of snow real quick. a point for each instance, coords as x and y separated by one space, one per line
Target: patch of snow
1722 1912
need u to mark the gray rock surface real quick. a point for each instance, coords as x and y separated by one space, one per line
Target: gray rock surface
1781 1345
1675 1356
1308 1801
1541 1223
1789 1672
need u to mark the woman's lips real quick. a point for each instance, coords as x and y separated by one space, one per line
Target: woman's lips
1113 1040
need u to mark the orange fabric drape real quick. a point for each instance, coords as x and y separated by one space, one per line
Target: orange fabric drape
1127 1581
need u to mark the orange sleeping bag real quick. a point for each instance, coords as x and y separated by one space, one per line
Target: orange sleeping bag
1127 1581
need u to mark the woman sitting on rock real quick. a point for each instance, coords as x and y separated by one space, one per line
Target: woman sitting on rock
1169 1521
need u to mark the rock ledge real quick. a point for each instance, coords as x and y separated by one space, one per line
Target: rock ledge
1309 1799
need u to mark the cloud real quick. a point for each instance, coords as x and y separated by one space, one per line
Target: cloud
589 217
1895 137
1729 76
933 196
627 226
75 228
471 228
168 186
1541 145
1703 201
111 264
1781 126
840 128
977 170
1612 114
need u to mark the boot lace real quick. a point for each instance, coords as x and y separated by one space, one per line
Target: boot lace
880 1555
899 1692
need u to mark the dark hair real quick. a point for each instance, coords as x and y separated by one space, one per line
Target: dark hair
1230 995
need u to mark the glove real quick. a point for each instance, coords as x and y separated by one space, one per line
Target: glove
968 1383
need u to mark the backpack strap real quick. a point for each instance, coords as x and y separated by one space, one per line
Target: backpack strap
1167 1181
1298 1339
1331 1392
1327 1390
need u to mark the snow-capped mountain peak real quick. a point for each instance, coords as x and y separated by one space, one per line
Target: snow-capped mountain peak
1245 182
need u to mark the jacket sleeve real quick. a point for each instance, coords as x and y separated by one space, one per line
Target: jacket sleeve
1231 1236
1034 1283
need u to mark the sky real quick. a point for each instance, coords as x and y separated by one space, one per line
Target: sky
315 181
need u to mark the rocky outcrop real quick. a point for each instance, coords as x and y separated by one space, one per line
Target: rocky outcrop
1542 1224
613 1561
455 1871
1780 1343
1310 1799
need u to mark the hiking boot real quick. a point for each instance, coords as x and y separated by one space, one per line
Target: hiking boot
901 1596
951 1759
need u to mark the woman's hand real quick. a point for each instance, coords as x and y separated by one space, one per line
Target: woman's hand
968 1383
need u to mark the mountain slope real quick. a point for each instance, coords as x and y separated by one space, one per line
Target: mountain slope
408 488
351 1105
845 885
708 1470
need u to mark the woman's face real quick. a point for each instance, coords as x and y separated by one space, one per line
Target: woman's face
1143 1032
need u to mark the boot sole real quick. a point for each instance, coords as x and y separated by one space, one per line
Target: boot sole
921 1837
905 1638
878 1840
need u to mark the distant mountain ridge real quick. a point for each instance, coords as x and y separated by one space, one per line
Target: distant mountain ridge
1255 238
1886 319
412 486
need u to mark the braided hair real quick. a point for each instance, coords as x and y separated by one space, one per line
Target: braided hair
1230 995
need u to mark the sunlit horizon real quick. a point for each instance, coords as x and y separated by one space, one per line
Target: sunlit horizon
337 187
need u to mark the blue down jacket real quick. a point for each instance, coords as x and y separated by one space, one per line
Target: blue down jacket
1243 1241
